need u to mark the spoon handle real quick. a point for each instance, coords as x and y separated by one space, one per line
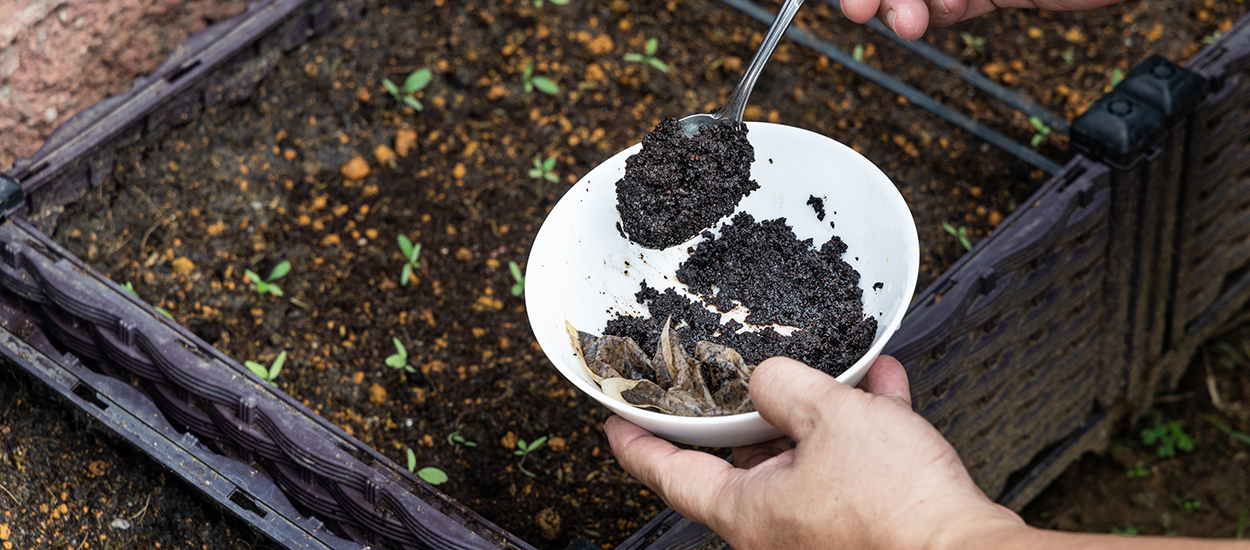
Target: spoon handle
737 103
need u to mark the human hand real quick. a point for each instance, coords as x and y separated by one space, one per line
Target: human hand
910 18
866 471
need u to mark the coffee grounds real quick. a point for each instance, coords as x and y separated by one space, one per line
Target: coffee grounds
817 204
677 186
780 280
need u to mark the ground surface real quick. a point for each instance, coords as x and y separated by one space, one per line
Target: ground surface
324 169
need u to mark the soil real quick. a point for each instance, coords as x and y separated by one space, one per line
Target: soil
779 280
44 81
677 186
249 185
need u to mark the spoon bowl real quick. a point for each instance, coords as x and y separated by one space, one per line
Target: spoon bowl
582 270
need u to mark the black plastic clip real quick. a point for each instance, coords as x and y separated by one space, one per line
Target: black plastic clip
11 196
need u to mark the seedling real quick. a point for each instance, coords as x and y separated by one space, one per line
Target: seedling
961 234
456 439
267 284
523 450
1242 522
518 288
1127 531
542 83
647 58
539 3
1188 506
1236 435
411 252
430 474
399 361
858 53
1069 57
1138 472
1169 436
1117 76
415 82
1042 131
972 44
1211 38
269 373
131 289
542 170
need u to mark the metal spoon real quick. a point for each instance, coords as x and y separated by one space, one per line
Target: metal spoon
737 104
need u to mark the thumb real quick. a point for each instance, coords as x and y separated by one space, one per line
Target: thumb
791 396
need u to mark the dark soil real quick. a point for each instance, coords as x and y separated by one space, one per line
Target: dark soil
249 185
780 280
677 186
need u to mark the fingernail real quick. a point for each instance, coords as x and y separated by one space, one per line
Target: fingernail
943 7
889 20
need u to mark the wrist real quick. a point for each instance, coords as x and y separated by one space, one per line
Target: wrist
987 527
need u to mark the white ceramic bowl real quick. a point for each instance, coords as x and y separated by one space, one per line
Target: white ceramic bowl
581 269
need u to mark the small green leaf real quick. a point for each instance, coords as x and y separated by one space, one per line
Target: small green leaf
633 57
537 443
529 70
129 288
405 274
279 271
1039 125
276 368
549 164
653 44
551 177
418 80
658 64
257 369
432 475
950 228
536 173
255 278
1117 76
414 103
405 247
515 268
163 312
395 361
274 289
546 85
529 86
412 460
1037 140
390 87
565 2
416 253
518 289
399 348
858 53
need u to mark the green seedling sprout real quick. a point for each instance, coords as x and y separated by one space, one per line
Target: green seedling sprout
269 373
456 439
1128 531
542 83
399 361
539 3
972 44
411 254
1138 472
1242 522
1069 57
523 450
1211 38
1189 506
267 284
131 289
647 58
518 288
542 170
961 234
430 474
1042 131
858 53
415 82
1169 436
1117 76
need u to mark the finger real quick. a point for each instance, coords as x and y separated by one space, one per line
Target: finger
749 456
887 378
688 481
907 18
860 11
947 12
789 394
